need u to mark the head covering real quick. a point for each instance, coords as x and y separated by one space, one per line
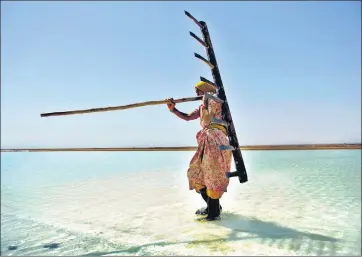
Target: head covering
205 87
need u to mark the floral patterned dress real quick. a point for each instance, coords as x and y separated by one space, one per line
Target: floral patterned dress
209 164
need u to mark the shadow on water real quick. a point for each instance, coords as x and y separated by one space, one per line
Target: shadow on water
48 246
267 233
51 246
274 235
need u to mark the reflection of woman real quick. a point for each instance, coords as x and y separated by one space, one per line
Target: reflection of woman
206 173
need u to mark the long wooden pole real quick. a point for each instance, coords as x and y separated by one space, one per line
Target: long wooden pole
117 108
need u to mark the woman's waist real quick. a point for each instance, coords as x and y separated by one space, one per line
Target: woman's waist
212 126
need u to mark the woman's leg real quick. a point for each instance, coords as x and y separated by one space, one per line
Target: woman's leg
204 210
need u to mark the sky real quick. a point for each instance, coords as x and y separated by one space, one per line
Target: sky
291 71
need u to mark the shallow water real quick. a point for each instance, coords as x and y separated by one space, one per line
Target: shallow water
138 203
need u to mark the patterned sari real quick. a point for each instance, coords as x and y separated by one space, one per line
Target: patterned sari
209 165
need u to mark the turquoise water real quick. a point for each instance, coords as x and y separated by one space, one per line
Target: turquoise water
138 203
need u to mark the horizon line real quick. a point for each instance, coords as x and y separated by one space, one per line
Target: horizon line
191 148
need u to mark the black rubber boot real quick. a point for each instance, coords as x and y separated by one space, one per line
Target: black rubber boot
213 210
204 210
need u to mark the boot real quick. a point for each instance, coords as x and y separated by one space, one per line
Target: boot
213 210
204 210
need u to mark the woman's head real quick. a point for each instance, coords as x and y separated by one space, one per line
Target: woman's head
203 87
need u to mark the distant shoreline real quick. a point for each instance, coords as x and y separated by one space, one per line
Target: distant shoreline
189 148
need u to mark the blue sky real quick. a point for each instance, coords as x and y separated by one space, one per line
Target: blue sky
291 71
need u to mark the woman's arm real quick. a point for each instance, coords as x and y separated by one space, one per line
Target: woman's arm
191 116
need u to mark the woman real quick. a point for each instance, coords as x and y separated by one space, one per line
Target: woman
206 173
